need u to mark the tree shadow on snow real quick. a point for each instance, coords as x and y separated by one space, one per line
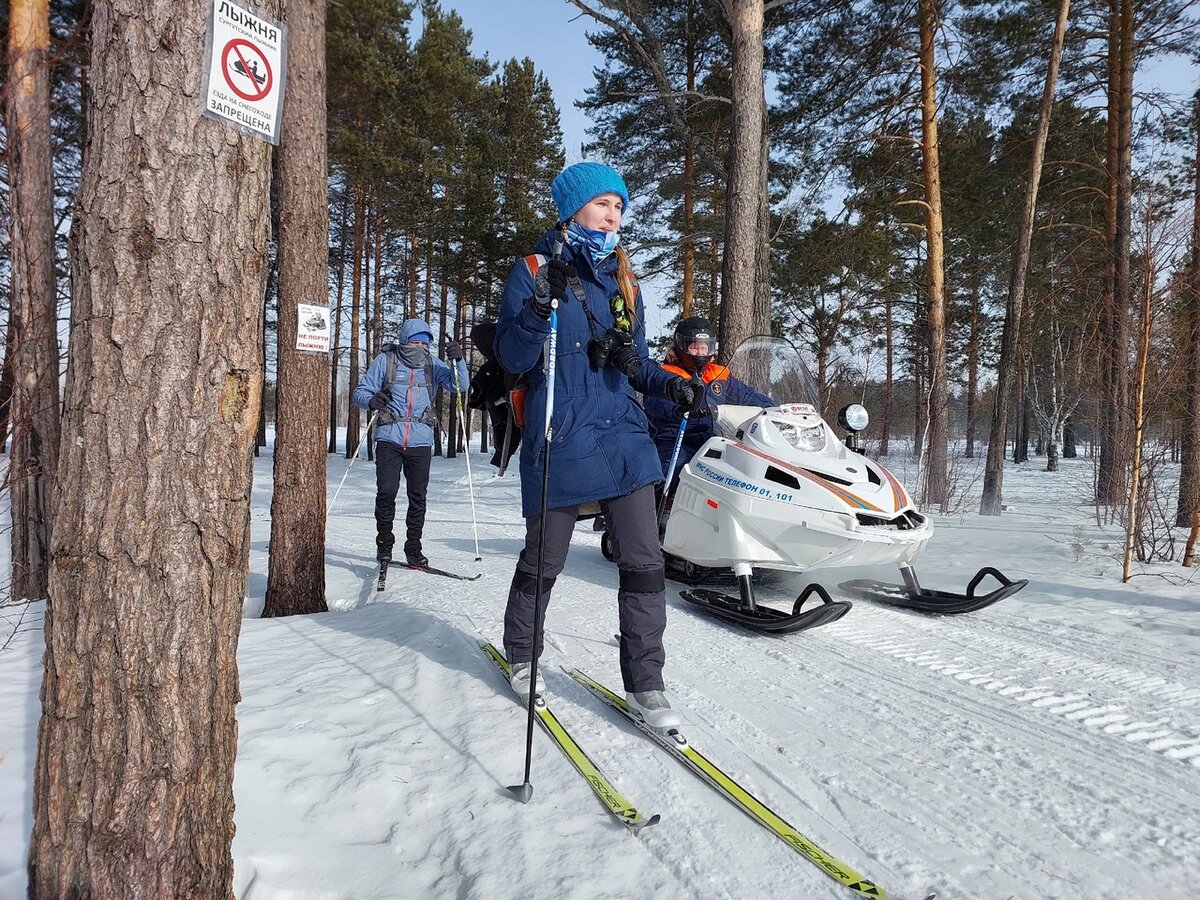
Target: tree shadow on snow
447 650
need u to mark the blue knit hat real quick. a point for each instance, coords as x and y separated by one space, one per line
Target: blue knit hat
577 184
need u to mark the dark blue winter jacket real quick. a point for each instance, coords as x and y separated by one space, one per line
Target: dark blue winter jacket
601 444
719 388
410 394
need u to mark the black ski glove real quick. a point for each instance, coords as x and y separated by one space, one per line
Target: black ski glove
551 283
559 278
686 395
453 351
381 399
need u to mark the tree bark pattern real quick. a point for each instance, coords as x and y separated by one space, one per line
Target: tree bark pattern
133 788
33 349
296 566
739 266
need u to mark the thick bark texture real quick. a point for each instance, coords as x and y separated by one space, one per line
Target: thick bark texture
33 351
1189 451
296 570
938 409
739 268
993 476
133 786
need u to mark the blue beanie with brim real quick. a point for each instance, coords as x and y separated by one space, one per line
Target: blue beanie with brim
577 184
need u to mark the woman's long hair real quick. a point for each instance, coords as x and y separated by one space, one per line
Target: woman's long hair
627 284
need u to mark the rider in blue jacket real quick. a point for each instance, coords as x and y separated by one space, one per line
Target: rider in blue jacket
399 387
693 348
600 444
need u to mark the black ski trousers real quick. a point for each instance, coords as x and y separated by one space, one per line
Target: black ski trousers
641 594
390 460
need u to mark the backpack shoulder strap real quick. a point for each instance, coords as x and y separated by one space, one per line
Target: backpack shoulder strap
391 369
535 261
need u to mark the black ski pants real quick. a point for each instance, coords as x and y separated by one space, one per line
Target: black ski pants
390 460
641 594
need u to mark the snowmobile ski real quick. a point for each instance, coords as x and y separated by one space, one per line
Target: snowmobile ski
616 802
715 778
766 618
432 571
911 595
382 581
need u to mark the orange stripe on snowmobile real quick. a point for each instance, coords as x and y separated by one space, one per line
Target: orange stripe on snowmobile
841 493
898 494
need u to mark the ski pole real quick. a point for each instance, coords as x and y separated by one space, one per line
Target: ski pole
462 424
671 469
370 422
525 790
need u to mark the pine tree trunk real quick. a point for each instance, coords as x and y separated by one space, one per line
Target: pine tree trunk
974 340
335 327
443 334
296 566
133 786
739 268
1110 484
993 479
935 460
889 370
33 352
689 175
1189 443
1068 441
352 412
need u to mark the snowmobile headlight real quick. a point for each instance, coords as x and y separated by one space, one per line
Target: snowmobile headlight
854 417
811 439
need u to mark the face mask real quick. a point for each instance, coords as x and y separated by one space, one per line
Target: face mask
414 355
598 245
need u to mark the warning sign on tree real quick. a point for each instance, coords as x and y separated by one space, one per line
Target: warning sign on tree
312 328
244 75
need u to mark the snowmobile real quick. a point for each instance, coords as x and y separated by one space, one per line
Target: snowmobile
778 489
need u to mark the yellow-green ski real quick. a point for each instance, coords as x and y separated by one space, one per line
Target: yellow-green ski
616 802
735 793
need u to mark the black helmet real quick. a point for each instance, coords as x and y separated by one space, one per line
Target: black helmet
691 331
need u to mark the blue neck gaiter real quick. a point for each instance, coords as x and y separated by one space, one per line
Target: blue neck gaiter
598 245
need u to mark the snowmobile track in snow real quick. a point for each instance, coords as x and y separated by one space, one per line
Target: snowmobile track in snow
1105 697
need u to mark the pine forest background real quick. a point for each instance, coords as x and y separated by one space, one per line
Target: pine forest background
440 162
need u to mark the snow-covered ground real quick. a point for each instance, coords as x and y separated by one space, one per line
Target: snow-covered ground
1046 747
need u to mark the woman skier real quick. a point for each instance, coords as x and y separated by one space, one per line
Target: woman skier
600 447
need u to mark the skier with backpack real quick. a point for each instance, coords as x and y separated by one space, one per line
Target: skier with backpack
578 298
399 387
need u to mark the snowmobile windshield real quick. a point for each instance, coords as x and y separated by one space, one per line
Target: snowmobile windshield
773 366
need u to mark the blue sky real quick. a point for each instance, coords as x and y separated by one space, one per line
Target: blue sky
550 32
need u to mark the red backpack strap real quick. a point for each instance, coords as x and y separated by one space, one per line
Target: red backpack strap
533 262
